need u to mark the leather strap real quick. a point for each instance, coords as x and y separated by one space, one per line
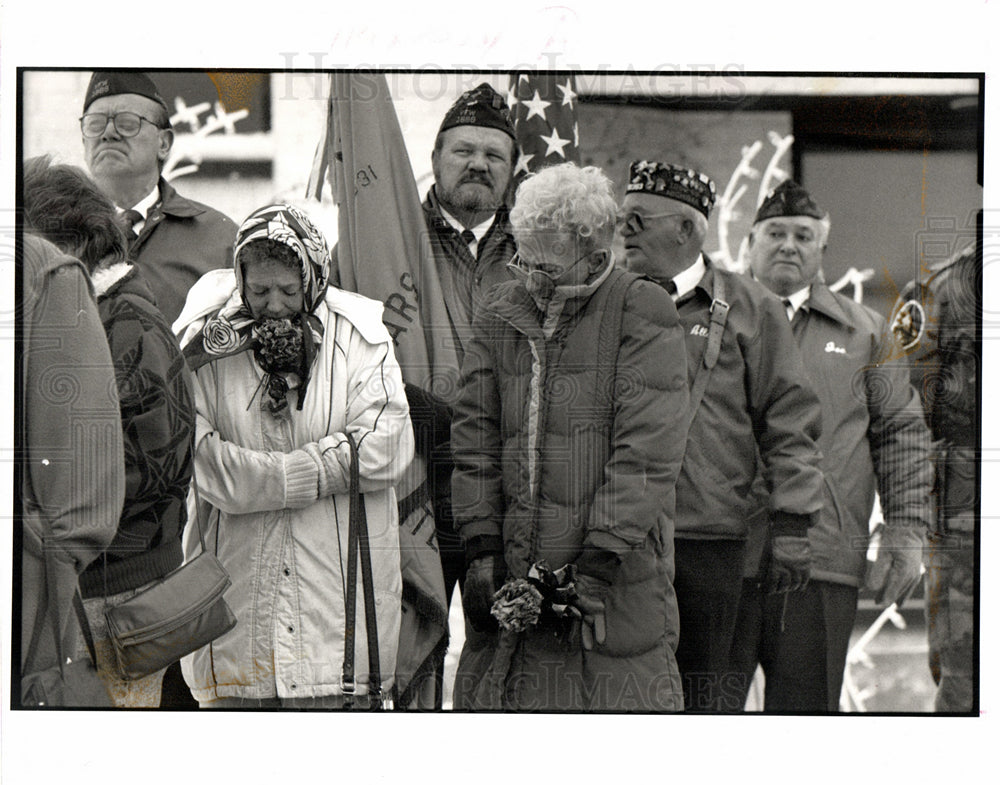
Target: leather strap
49 607
358 544
88 636
718 314
610 336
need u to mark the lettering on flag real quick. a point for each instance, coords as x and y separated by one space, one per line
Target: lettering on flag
384 252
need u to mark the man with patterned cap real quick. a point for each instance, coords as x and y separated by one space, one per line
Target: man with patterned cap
749 398
127 138
873 438
467 219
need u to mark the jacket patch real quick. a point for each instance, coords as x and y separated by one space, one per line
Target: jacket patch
700 330
908 324
832 347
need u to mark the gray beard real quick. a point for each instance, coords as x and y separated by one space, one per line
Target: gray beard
471 201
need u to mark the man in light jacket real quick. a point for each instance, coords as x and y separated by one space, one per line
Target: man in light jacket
874 438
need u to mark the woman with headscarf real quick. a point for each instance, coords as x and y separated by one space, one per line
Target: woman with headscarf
287 370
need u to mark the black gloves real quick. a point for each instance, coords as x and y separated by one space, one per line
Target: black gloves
790 552
483 578
591 595
790 560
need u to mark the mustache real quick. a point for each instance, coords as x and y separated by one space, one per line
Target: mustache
477 177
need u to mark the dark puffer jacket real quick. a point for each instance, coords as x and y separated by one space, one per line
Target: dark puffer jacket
565 471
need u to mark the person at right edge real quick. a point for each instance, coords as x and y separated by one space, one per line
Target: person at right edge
873 437
749 397
935 322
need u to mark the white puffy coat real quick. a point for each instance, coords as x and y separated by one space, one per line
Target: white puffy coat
275 489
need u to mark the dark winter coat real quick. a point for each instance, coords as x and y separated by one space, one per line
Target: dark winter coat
564 470
157 421
180 241
465 281
72 478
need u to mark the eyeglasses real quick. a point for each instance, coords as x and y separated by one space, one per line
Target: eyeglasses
635 222
520 268
126 123
549 281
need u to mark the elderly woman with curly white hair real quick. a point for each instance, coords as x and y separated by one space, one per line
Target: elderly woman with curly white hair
296 386
568 440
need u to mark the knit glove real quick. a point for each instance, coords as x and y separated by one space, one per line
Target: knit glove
590 600
483 578
790 560
897 567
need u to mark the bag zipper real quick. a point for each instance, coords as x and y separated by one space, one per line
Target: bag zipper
154 630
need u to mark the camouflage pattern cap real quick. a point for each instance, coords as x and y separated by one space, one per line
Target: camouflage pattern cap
104 83
673 182
788 199
482 106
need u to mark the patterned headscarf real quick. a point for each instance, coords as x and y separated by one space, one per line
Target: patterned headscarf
233 329
290 226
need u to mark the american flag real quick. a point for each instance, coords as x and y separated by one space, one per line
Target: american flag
544 110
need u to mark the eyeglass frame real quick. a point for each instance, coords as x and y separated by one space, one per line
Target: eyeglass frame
518 268
622 220
113 118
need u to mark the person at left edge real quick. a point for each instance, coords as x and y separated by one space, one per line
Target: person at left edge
127 138
156 401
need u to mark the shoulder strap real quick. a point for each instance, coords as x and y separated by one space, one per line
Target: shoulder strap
357 541
610 336
718 314
49 610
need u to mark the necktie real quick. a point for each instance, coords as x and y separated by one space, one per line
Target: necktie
468 236
789 309
132 217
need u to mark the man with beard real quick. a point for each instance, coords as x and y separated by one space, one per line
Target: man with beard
127 138
467 219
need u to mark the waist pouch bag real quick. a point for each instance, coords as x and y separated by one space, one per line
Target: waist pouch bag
172 618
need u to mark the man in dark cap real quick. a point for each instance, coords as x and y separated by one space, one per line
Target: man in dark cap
748 398
873 438
127 138
467 219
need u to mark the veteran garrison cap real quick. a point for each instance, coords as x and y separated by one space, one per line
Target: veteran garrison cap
786 200
673 182
104 83
482 106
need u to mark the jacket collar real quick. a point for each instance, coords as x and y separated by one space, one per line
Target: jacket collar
172 203
514 305
432 207
104 278
824 301
705 284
